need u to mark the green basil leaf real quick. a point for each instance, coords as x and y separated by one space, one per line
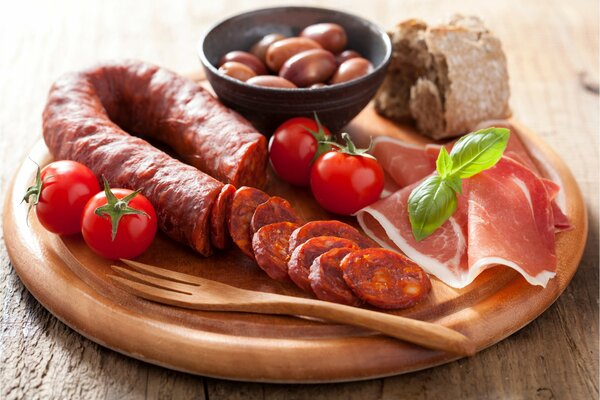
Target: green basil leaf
443 163
434 201
478 151
455 183
430 204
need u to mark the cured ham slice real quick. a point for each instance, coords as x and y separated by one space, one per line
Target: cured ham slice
389 186
561 221
405 163
398 159
511 223
504 216
517 151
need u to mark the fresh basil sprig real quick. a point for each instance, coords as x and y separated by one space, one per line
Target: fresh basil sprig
433 201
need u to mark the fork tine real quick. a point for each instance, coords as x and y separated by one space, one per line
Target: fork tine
152 293
155 281
164 273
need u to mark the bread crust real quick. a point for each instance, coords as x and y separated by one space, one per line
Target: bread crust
447 78
410 60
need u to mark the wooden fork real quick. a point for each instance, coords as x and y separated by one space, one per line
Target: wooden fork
187 291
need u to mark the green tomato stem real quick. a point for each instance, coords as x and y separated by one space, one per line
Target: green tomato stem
33 193
116 208
350 148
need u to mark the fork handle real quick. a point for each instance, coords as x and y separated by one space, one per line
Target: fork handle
426 334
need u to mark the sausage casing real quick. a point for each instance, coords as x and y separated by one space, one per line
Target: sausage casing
78 126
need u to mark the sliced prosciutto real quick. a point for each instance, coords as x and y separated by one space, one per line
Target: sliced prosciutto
405 163
561 221
516 150
511 223
504 216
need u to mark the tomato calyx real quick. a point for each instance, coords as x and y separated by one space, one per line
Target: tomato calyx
350 148
35 191
116 208
322 138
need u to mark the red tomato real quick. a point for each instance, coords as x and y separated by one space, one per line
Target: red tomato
134 232
343 183
60 193
293 146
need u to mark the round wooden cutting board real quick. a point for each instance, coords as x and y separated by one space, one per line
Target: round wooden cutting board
71 282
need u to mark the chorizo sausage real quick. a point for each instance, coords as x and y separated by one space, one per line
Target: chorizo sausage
276 209
384 278
329 228
77 126
218 217
327 280
303 256
245 200
270 245
149 101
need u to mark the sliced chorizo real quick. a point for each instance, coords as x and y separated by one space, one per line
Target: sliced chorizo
270 244
303 256
276 209
329 228
327 280
245 200
218 217
385 278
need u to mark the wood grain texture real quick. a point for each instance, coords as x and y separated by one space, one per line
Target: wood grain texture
548 44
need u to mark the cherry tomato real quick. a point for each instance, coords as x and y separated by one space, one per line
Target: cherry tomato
293 147
60 193
135 226
344 182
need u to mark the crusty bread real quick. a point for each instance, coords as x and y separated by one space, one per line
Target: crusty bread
447 78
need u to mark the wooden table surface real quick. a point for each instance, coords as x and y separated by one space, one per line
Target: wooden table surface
552 50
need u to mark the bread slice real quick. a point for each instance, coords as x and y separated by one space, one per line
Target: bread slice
447 78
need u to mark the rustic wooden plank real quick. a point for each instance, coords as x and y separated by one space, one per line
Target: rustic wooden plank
548 45
368 390
165 384
220 389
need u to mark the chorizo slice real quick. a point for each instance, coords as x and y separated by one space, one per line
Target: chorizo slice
304 255
329 228
218 217
276 209
384 278
270 244
327 279
245 200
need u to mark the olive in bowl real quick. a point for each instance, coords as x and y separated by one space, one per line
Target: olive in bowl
267 106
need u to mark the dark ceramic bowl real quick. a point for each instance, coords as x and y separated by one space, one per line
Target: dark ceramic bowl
266 107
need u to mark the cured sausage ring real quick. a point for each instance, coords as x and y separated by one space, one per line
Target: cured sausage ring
89 113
